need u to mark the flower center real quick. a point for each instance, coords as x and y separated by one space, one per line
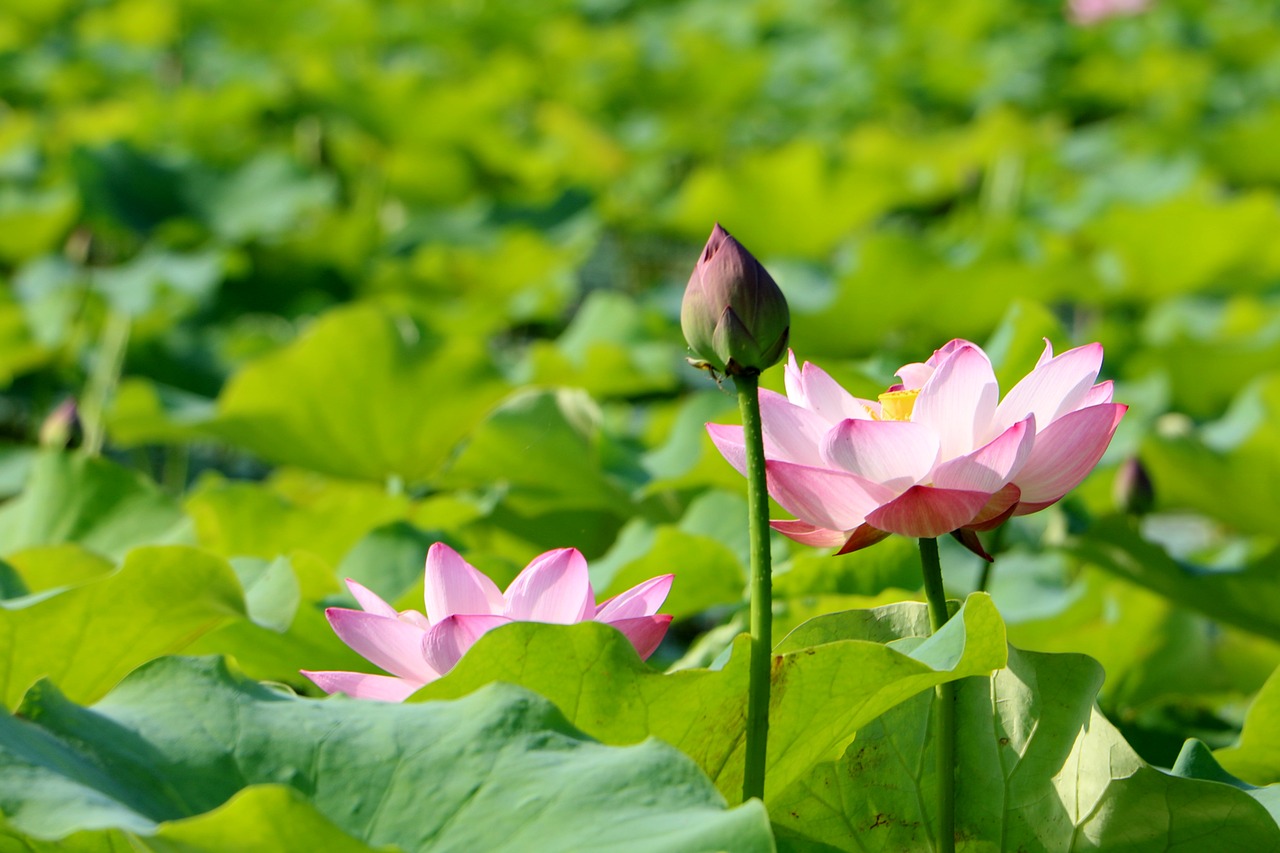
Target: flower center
897 405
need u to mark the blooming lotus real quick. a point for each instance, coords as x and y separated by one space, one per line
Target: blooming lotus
938 453
462 604
1087 12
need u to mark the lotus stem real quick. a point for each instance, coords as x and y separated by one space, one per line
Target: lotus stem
761 589
945 701
102 381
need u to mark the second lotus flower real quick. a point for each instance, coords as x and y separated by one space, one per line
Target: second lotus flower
462 604
938 453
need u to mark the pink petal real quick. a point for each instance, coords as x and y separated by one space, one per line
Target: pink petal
1055 387
924 511
1098 394
791 433
896 454
863 537
728 440
1028 508
641 600
914 375
448 640
454 586
360 685
1047 355
1066 451
808 534
555 587
384 641
966 537
991 466
369 601
836 500
958 400
813 388
997 510
644 632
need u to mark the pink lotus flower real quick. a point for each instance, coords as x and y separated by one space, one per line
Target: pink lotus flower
1085 12
938 453
463 604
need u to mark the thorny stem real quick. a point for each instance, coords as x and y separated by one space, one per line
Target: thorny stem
945 701
761 589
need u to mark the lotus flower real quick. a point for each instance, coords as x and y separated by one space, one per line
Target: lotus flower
462 604
938 453
733 315
1087 12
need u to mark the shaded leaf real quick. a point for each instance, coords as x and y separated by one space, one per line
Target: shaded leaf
500 769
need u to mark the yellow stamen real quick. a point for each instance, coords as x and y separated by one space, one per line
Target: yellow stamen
897 405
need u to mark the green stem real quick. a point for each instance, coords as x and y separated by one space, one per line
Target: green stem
945 704
761 589
102 381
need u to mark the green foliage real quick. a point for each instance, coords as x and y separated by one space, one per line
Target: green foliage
87 637
368 770
821 693
337 280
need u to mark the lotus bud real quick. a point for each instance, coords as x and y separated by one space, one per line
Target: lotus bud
734 316
1132 489
61 429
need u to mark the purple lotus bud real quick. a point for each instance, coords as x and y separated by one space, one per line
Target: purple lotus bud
734 316
62 426
1132 488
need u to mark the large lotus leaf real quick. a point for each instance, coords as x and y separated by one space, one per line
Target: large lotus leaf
905 286
240 519
367 391
1189 242
822 693
611 349
52 566
1248 596
1151 649
1256 757
1229 470
707 572
1038 768
548 449
1197 761
498 770
893 564
92 502
286 628
258 819
88 637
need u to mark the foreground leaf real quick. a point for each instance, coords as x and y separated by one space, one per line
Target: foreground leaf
89 636
499 770
822 694
1256 757
259 819
1039 768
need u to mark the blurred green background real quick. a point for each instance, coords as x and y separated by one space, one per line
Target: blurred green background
330 280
